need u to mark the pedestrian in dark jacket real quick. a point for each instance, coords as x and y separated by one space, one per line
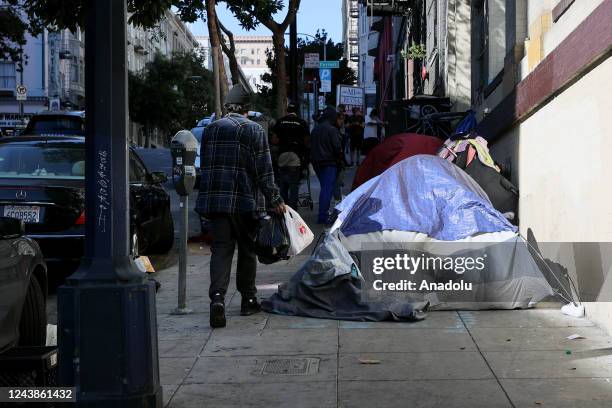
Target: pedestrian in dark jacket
292 134
325 155
237 183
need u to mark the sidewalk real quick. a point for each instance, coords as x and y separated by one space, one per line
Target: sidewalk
452 359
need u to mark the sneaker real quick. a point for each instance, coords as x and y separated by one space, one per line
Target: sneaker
249 306
217 311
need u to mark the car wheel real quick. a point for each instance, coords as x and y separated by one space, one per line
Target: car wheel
166 235
33 324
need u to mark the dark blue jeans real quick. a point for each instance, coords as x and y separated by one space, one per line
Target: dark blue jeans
327 180
289 182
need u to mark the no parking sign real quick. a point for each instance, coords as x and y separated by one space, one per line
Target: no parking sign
21 92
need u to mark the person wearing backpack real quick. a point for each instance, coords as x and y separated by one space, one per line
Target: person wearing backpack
292 136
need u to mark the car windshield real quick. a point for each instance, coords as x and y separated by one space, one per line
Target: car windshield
47 162
65 125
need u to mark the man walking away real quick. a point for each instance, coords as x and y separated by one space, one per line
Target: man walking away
356 128
236 184
326 153
293 134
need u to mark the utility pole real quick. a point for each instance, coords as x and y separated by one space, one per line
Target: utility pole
325 59
107 332
293 62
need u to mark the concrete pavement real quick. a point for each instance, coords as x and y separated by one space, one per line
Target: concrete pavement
452 359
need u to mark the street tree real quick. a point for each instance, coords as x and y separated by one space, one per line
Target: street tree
343 75
251 13
170 94
229 49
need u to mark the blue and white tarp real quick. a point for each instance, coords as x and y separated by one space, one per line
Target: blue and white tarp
423 194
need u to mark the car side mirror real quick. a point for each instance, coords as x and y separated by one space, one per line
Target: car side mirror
11 228
159 177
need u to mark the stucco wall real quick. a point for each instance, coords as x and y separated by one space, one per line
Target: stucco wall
560 158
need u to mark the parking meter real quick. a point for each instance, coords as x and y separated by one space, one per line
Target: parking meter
184 149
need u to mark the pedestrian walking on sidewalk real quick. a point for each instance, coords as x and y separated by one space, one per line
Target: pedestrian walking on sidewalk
237 184
293 136
374 132
326 153
356 125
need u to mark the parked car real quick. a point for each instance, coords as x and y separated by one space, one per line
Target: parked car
42 183
23 288
198 132
56 123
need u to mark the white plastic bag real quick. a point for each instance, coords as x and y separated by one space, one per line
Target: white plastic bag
299 234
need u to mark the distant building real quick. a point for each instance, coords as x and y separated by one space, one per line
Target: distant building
171 35
250 54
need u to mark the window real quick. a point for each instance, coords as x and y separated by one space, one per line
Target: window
48 161
258 62
7 75
495 13
252 51
138 172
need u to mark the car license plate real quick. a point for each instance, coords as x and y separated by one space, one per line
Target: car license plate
29 214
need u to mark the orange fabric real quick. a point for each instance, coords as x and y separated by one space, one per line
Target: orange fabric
471 154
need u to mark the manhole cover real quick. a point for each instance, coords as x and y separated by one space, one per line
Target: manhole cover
291 366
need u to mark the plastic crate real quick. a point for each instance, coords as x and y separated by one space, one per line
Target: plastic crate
29 367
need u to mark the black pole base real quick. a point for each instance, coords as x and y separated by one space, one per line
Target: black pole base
111 330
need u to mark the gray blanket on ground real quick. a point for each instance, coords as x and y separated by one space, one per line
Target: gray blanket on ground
328 286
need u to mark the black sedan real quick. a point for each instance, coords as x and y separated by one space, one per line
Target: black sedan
23 288
42 183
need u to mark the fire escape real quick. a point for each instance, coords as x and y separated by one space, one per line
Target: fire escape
353 30
386 7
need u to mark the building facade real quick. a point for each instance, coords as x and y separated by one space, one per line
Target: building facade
53 74
171 35
251 54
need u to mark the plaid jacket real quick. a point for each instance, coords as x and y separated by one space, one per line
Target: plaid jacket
236 168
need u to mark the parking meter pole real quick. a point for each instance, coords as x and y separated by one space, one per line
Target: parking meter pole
182 278
107 323
183 147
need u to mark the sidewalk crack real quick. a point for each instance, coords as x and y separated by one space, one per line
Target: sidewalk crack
486 361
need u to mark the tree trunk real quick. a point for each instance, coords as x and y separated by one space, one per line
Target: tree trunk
215 51
230 52
278 38
223 76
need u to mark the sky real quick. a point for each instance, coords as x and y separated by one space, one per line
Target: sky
312 15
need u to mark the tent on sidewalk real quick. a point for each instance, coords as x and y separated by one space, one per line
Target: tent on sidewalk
393 150
430 208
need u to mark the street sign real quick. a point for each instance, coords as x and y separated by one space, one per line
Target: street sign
329 64
326 80
311 60
322 104
22 92
349 96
